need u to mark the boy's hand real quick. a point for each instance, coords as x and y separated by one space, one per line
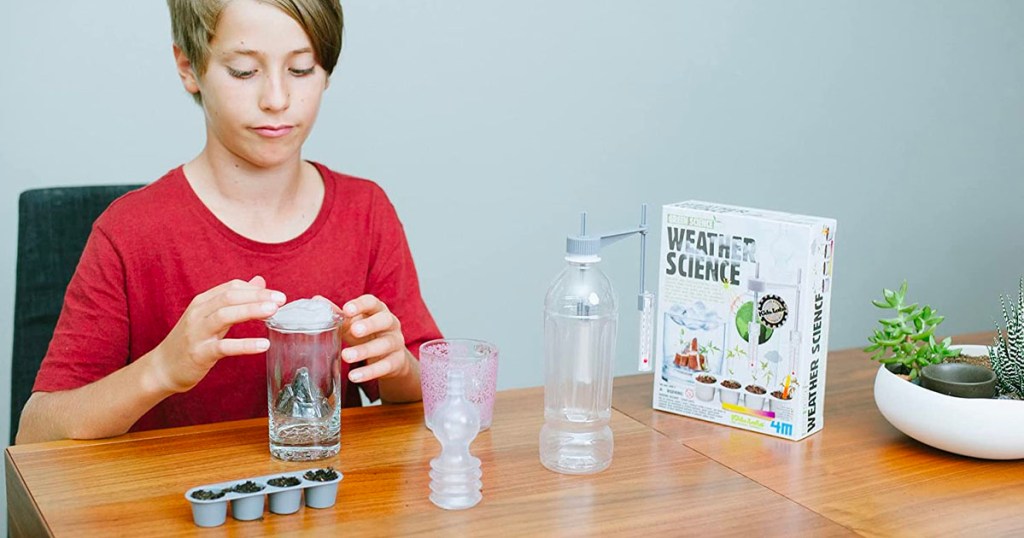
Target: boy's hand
197 341
372 333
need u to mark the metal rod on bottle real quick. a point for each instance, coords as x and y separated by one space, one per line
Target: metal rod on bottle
591 245
643 256
645 302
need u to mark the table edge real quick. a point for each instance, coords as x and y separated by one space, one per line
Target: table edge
30 519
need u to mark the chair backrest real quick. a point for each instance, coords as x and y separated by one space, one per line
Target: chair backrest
53 225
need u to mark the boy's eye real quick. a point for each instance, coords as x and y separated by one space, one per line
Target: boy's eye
302 72
241 74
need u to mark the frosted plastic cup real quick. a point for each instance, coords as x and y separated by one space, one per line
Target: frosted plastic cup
478 361
304 391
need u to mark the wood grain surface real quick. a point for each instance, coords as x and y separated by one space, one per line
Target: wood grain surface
134 485
858 471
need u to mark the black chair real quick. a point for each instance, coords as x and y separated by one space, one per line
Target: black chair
53 225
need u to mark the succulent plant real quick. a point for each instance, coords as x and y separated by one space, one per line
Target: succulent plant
909 338
1007 354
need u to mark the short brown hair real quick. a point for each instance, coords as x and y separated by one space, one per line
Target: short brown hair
193 23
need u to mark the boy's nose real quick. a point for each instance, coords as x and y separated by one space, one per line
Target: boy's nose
274 96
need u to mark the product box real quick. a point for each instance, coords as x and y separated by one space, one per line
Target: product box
730 272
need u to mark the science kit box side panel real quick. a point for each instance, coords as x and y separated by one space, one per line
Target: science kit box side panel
805 383
818 325
719 270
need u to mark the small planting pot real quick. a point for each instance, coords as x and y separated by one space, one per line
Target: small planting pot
247 505
248 495
729 391
285 493
209 508
959 379
782 407
248 508
754 396
322 487
705 386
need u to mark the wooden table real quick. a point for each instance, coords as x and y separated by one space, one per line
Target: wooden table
134 485
859 471
671 475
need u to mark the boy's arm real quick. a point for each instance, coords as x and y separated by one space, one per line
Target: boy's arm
112 404
104 408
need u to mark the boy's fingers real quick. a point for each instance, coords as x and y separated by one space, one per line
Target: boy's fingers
337 309
377 323
378 347
363 304
237 297
376 370
212 292
230 347
236 284
223 318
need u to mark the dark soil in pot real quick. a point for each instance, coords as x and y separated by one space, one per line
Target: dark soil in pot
206 495
980 360
755 389
247 487
321 475
284 482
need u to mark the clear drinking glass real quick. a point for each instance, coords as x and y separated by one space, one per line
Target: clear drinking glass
477 359
304 392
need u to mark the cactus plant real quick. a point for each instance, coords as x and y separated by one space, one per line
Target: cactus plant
1007 354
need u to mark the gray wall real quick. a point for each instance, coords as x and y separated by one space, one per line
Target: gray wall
491 124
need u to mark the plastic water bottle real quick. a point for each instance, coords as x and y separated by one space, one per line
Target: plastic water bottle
580 319
455 474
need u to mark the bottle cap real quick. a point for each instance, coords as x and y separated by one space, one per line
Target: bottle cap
582 245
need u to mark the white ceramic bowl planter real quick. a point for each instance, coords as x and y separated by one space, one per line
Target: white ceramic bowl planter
978 427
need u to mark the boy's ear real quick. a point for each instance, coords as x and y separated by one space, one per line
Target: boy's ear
185 71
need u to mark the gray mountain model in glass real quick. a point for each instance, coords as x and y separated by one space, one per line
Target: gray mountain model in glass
301 398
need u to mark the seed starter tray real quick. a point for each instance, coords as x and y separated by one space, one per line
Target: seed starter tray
248 506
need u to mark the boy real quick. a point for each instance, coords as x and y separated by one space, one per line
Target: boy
161 324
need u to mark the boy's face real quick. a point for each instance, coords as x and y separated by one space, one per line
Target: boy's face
262 86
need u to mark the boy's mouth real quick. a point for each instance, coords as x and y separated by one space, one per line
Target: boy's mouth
273 131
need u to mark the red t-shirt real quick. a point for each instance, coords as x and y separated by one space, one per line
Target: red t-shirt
154 249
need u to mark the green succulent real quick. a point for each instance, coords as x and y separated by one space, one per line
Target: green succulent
908 339
1007 353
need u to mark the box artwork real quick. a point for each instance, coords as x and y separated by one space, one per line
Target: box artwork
743 306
